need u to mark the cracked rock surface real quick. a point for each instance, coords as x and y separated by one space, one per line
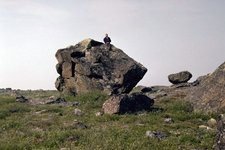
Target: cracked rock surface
91 65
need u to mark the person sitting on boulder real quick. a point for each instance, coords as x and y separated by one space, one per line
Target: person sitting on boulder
107 39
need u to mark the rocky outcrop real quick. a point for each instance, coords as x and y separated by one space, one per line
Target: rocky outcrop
205 94
181 77
120 104
209 95
220 136
21 99
92 65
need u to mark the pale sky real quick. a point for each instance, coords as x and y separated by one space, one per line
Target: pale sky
166 36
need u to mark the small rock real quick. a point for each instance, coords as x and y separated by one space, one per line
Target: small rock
78 112
205 127
64 148
41 111
21 99
140 124
168 120
143 113
156 134
212 123
52 97
98 114
75 103
56 101
177 133
79 125
150 134
38 129
73 138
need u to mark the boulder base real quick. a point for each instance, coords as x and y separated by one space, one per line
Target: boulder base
120 104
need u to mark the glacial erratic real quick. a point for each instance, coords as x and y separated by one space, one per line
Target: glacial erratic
91 65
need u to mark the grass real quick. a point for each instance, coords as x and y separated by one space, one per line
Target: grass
23 126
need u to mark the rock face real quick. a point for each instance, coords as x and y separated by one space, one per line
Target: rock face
209 95
120 104
180 77
92 65
220 136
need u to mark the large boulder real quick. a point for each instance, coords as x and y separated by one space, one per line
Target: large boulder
91 65
120 104
181 77
209 94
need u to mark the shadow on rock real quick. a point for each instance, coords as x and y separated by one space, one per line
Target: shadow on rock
121 104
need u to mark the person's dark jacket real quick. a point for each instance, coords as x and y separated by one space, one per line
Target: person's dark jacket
107 40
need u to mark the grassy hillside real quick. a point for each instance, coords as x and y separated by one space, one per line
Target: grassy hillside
24 126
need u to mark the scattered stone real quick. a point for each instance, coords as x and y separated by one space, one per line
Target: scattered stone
140 124
75 103
150 134
37 129
52 100
148 90
205 127
212 123
142 113
52 97
41 111
79 125
156 134
21 99
153 92
14 110
120 104
65 148
168 120
177 133
78 112
180 77
90 65
72 138
56 101
98 114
